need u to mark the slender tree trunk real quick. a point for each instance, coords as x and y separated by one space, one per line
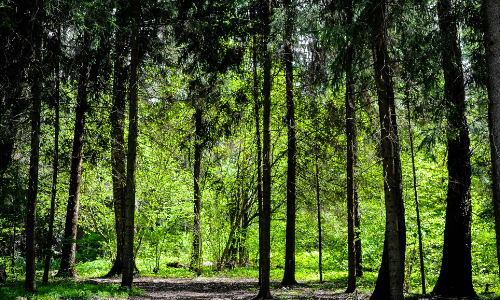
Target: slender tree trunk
128 251
357 226
352 188
289 274
420 245
265 246
390 280
67 267
118 140
455 278
50 235
196 247
36 72
491 9
320 237
258 145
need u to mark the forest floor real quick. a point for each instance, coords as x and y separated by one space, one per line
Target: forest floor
227 288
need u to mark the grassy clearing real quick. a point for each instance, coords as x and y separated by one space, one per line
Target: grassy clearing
64 289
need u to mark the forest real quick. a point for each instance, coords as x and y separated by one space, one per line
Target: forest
345 146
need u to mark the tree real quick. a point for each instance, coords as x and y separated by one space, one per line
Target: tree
390 279
196 246
67 267
491 10
289 274
117 136
50 234
352 157
36 78
455 278
265 245
128 253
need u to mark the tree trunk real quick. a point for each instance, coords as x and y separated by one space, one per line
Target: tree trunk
128 250
352 187
196 247
455 278
390 279
420 246
289 274
67 267
491 9
258 145
50 235
37 77
118 140
265 245
320 237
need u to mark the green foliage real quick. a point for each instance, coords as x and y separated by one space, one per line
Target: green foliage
64 289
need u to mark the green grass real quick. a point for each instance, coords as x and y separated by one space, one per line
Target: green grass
64 289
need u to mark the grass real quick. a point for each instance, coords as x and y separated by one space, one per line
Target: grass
333 280
64 289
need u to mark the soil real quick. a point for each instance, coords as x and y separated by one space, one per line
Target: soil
226 288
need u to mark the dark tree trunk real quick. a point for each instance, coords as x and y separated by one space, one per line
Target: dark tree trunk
118 140
196 247
320 237
37 77
455 278
258 145
420 246
491 9
128 250
50 235
357 243
390 279
352 157
265 245
67 267
289 274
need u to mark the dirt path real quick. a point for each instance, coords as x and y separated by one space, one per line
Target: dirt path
224 288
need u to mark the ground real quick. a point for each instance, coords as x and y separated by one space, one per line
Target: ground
225 288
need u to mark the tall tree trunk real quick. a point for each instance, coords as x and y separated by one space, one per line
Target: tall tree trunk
67 267
390 279
37 75
118 140
265 245
128 250
491 9
357 226
455 278
50 235
258 145
420 245
289 274
196 247
352 157
320 237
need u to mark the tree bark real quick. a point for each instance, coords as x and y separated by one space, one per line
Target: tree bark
390 279
37 77
352 157
491 9
257 142
420 245
455 278
320 237
289 273
50 235
117 139
265 245
128 251
196 246
67 267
